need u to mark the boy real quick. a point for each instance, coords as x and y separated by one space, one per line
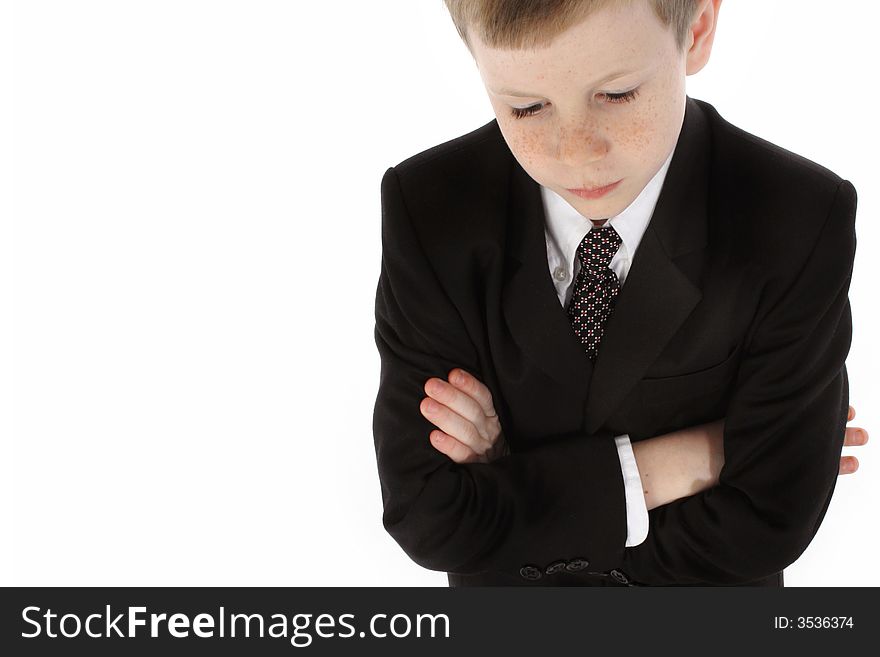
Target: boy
653 301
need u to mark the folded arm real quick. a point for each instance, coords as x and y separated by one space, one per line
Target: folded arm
562 500
783 433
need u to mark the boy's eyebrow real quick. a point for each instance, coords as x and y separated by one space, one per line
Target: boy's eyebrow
613 76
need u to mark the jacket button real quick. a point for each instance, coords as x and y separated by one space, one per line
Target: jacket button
576 564
619 576
530 572
555 567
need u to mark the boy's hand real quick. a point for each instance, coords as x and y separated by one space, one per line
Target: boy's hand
469 429
854 436
714 431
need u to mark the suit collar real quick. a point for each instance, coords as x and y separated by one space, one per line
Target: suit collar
657 297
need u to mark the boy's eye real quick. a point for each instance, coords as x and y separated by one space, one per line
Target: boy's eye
625 97
522 112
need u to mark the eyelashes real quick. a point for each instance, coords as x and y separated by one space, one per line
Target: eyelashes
625 97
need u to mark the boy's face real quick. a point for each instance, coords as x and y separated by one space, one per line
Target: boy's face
584 133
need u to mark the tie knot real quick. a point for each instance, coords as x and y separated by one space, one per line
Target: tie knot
598 248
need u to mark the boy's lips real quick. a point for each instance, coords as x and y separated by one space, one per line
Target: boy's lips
595 192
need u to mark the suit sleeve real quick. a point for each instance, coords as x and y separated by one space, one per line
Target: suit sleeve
783 432
561 500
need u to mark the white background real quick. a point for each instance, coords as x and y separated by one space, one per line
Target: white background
190 248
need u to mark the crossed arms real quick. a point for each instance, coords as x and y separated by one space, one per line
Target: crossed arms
780 451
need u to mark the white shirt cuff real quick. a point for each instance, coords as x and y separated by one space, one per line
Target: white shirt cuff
636 509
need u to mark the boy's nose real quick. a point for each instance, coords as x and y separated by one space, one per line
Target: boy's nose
580 146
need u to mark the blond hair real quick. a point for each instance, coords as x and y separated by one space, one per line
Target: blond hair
530 24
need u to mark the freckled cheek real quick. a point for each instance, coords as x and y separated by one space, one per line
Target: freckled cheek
529 145
638 135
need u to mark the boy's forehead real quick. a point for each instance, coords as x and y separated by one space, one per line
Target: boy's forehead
610 41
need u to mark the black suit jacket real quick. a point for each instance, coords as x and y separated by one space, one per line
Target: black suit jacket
736 306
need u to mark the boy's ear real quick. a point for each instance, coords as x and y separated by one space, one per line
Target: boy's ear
702 34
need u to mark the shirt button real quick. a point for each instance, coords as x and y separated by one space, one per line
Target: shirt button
560 273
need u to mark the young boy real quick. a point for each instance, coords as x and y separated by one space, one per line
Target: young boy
648 307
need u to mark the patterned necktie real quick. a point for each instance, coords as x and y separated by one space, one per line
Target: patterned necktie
596 287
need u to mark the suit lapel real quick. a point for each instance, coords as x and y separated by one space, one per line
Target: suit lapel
657 296
654 301
536 319
651 306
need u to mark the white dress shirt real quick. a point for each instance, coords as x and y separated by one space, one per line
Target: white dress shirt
564 230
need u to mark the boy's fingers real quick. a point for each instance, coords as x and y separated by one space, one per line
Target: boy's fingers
855 436
457 451
475 388
851 415
848 465
461 403
453 424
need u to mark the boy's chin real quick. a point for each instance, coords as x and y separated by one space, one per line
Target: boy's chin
596 210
